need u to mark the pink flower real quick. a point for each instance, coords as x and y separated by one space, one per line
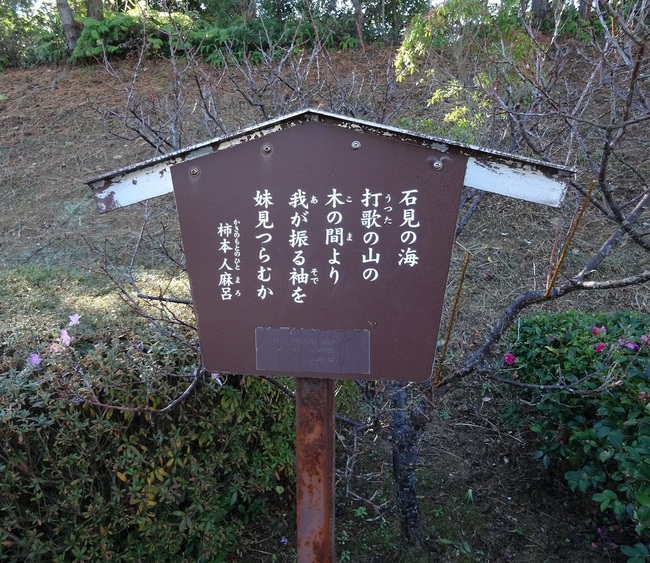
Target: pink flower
596 330
599 347
628 344
34 359
509 358
64 338
74 319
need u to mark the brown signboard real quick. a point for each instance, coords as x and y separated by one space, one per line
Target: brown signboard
319 250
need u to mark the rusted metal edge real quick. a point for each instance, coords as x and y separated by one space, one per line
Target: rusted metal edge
488 169
315 479
152 178
434 142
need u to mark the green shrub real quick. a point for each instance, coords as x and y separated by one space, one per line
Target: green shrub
47 48
122 32
46 44
467 26
251 39
86 483
30 38
216 44
117 32
598 428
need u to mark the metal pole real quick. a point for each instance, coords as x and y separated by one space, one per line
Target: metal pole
315 469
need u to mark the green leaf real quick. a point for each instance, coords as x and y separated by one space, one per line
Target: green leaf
445 541
615 438
638 549
605 455
605 498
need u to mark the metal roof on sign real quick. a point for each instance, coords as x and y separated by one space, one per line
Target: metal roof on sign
490 170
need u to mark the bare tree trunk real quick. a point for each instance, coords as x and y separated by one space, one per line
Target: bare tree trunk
541 10
407 430
359 17
95 9
71 28
248 9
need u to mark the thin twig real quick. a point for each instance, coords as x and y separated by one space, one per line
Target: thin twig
569 240
450 325
571 388
97 403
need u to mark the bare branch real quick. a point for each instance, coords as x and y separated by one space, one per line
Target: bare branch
473 196
627 281
170 406
572 388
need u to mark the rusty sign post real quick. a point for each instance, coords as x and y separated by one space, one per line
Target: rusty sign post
318 247
315 470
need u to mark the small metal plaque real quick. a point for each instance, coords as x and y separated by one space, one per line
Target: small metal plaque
341 234
304 350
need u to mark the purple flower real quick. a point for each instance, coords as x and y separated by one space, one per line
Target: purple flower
645 339
628 344
35 359
509 358
74 319
599 347
64 338
596 330
284 541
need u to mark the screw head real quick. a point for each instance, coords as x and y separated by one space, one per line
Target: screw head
437 165
356 145
195 171
267 148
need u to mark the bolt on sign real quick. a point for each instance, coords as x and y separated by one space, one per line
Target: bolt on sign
319 246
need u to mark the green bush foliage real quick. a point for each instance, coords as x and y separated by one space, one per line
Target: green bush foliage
464 38
599 428
45 45
122 32
30 38
86 483
466 25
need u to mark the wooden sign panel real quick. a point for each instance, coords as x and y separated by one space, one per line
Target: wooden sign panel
319 250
